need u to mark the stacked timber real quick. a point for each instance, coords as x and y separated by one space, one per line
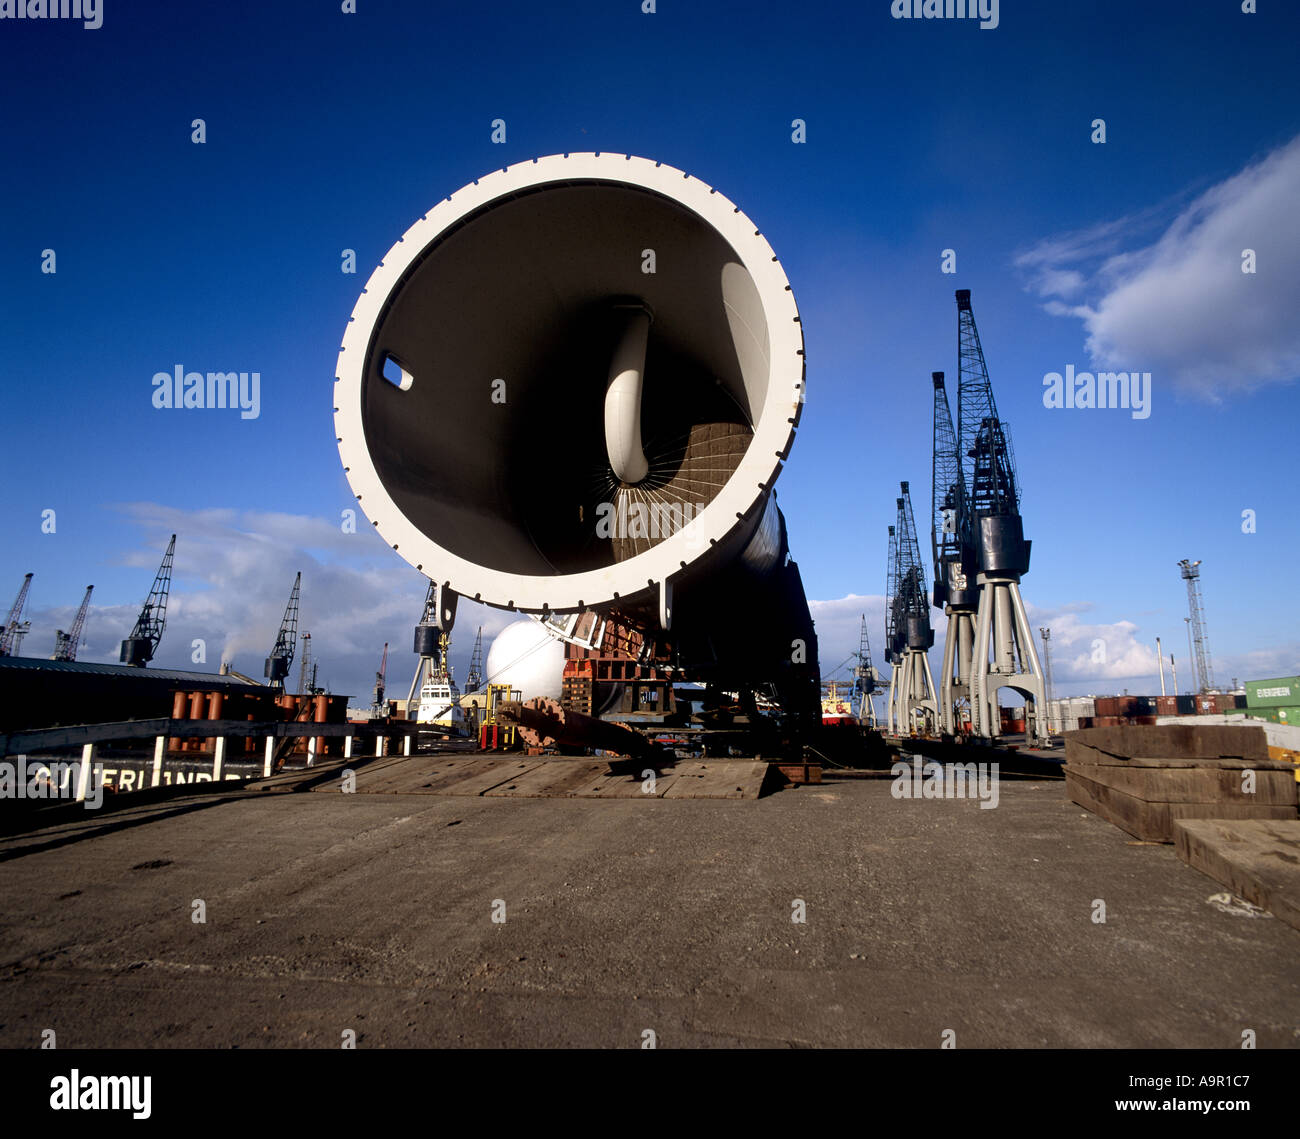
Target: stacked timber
1257 859
1142 778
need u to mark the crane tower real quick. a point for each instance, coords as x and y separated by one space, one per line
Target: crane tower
138 649
277 665
912 705
66 644
1004 654
955 591
474 678
866 680
1191 572
15 628
425 646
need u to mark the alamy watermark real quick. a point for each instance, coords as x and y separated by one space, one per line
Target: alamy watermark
89 12
653 520
75 1092
53 779
1103 390
181 389
933 780
986 11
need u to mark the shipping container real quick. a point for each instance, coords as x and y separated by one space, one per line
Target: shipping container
1106 707
1275 715
1283 692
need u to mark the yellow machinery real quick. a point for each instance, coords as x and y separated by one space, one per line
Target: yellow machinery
493 736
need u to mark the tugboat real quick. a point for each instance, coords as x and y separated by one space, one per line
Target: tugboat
837 709
440 698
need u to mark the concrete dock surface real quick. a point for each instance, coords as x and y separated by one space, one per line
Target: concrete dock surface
381 914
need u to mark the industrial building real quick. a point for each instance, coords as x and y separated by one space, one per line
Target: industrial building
36 693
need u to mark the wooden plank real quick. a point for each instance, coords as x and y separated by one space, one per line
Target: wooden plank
495 773
1257 859
1176 811
515 777
1083 755
1153 822
801 772
1123 810
407 777
1225 763
730 779
421 776
1183 741
1193 784
607 786
553 779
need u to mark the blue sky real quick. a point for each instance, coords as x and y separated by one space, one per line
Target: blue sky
328 131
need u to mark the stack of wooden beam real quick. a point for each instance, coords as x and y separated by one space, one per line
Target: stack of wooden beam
1143 778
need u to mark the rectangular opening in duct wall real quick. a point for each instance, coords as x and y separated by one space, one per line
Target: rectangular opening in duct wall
394 371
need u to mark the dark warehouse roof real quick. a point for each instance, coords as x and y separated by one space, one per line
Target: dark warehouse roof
172 677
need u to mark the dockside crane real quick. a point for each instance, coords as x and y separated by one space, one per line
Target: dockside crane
276 669
1046 634
474 678
1191 573
1001 551
954 563
138 649
15 628
913 707
891 588
306 670
66 644
377 705
866 680
425 646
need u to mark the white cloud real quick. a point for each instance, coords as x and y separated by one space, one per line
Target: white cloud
839 625
1259 664
232 576
1180 307
1087 656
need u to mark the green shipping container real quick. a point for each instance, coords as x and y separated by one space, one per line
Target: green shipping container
1283 692
1276 715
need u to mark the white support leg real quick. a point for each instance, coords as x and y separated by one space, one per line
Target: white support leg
1029 655
929 679
84 772
980 666
893 693
947 694
218 758
269 761
159 750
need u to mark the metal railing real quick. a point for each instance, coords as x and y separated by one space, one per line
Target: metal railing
89 737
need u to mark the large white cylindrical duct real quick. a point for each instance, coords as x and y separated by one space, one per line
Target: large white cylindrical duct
573 384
